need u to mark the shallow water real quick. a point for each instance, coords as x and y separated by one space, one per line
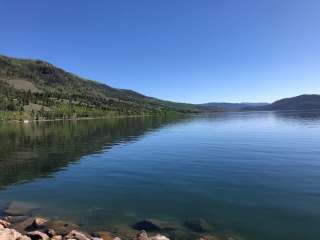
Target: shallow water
256 174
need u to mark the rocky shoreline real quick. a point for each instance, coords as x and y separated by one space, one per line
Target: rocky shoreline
41 229
18 223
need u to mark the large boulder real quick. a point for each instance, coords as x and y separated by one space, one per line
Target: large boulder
153 225
198 225
9 234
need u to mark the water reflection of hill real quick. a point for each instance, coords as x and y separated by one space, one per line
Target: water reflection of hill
35 150
302 117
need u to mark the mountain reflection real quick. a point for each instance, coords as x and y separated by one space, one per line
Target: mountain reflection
301 117
29 151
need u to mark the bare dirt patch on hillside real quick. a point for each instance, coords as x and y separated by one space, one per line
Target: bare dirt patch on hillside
22 84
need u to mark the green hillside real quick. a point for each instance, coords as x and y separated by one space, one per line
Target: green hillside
33 89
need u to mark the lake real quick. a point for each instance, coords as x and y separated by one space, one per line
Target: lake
255 174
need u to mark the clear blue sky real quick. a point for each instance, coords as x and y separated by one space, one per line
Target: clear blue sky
183 50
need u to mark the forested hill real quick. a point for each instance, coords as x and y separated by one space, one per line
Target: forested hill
37 89
302 102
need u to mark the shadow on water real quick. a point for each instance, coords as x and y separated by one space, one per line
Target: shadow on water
35 150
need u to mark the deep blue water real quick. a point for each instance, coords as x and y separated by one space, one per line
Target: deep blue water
256 174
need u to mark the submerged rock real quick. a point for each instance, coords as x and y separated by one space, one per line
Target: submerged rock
209 237
124 231
17 208
198 225
15 219
61 227
153 225
24 225
230 236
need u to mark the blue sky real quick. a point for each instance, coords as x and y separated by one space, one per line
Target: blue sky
182 50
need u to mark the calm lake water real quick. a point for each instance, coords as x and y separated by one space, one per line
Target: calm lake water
256 174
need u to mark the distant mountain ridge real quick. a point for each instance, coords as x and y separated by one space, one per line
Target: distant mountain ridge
224 106
302 102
